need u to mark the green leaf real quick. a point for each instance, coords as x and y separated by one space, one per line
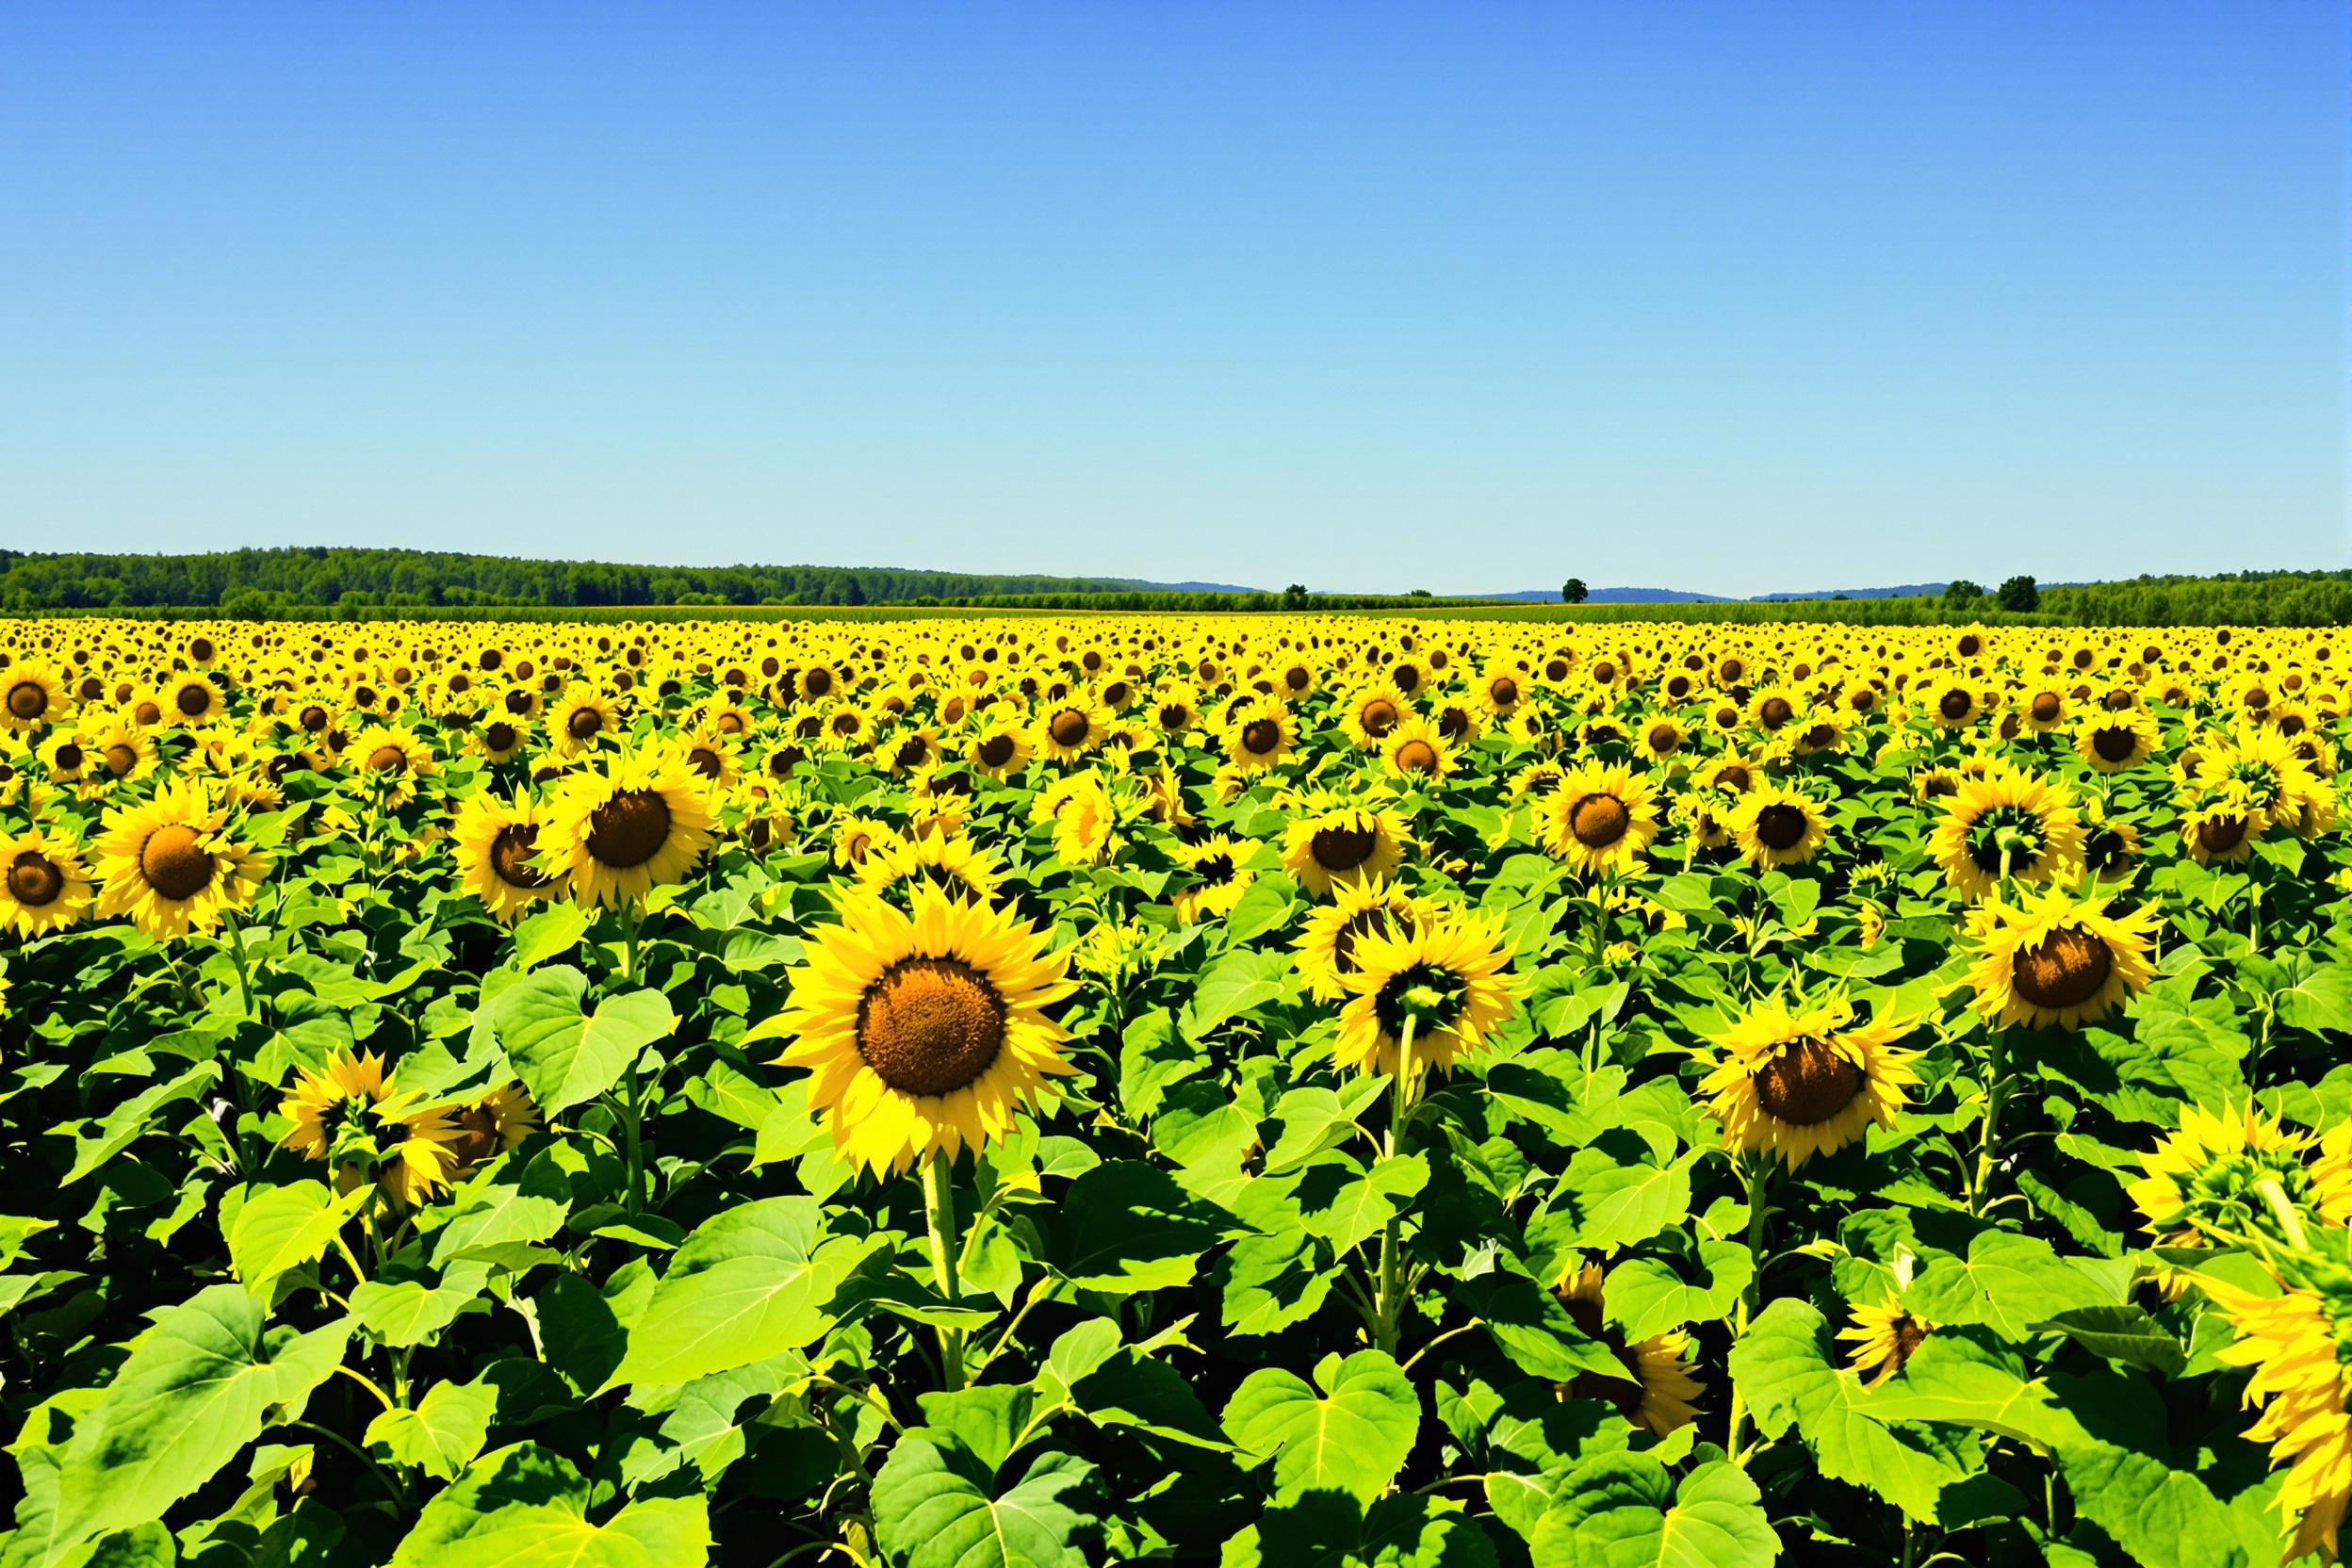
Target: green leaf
1531 1327
1126 1225
526 1506
407 1313
566 1056
1623 1511
1235 984
1314 1119
443 1434
748 1284
1616 1204
1354 1437
2011 1283
547 932
1645 1296
196 1388
281 1228
1782 1368
1362 1205
2126 1335
935 1505
1327 1531
509 1208
127 1122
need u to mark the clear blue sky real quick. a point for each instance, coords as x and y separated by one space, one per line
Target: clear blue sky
1733 298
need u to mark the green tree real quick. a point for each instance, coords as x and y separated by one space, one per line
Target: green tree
1960 593
1572 591
1295 596
2019 594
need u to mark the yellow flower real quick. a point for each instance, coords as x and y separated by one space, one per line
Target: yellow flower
1774 826
171 865
42 885
924 1032
2299 1345
1448 971
621 830
1659 1391
1414 749
2006 823
2224 1173
1800 1083
2050 960
351 1116
1600 818
1343 843
1884 1336
498 861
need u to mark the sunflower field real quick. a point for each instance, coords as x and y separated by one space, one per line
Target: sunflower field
1269 1090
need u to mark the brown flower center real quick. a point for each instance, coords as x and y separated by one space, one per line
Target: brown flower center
387 760
2114 746
193 698
583 723
1069 728
1807 1084
1955 705
1343 848
2065 969
628 829
1378 717
28 700
704 762
500 735
1261 736
1776 712
511 855
175 861
2047 708
1505 692
34 879
2221 834
1780 826
121 759
1664 738
996 750
1417 757
930 1026
1597 822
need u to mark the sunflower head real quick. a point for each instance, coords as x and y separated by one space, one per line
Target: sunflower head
1798 1079
1446 977
2050 959
351 1116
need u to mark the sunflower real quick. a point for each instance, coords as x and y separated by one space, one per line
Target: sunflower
1084 816
1599 820
2299 1344
35 696
1326 948
1501 688
1658 1391
859 840
1449 971
582 720
1774 708
2006 823
924 1031
392 760
190 699
1414 749
1885 1336
2220 833
953 865
119 750
1343 843
496 841
999 749
2214 1178
1175 711
42 885
1373 712
619 831
2053 961
2111 742
353 1118
1774 826
1800 1083
1069 730
1215 860
2110 848
493 1125
1954 707
1261 734
170 864
1662 738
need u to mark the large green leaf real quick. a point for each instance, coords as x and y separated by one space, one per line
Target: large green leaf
443 1434
526 1506
1625 1510
939 1505
2013 1283
1783 1368
564 1055
1126 1225
1351 1437
285 1226
749 1283
196 1388
1237 983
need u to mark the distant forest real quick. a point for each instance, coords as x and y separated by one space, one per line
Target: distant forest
307 582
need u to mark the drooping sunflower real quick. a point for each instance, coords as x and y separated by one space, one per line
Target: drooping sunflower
351 1116
1775 825
1083 814
170 863
34 695
2055 961
618 831
924 1031
2220 832
497 841
1885 1335
2209 1179
1327 946
1661 1392
1343 843
952 864
493 1125
1600 819
2005 824
1215 860
2299 1345
42 885
1261 734
1808 1080
1449 971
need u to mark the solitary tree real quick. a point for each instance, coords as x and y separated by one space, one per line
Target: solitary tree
1960 593
1295 596
1572 591
2020 594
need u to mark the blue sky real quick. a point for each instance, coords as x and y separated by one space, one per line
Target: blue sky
1731 298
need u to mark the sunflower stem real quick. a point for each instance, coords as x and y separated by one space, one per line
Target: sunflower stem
939 1213
1756 1174
1387 1306
1988 1144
